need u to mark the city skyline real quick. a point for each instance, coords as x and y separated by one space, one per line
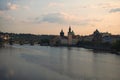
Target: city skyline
49 17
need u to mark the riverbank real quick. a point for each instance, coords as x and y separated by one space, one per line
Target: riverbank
97 48
94 48
101 49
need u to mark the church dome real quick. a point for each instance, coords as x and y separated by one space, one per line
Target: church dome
62 33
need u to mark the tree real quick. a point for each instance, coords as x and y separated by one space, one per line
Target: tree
21 42
11 41
1 42
116 45
31 43
44 42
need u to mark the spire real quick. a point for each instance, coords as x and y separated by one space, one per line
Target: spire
61 30
96 31
69 28
61 33
73 32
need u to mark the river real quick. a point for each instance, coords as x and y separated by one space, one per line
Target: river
57 63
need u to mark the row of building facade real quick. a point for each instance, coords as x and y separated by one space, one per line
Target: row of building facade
72 39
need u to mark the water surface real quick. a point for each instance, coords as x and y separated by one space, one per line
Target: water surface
57 63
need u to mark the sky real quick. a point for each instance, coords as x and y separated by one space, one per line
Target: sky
50 16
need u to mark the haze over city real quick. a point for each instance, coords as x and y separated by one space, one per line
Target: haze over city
50 16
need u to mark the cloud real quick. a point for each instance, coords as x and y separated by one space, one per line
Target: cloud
3 5
16 6
54 18
50 18
1 13
54 4
114 10
5 16
64 18
7 5
60 17
13 6
26 7
109 5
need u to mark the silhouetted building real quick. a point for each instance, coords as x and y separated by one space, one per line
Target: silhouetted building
97 37
62 33
70 36
71 39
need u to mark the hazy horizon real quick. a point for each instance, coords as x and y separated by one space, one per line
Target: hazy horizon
49 17
65 33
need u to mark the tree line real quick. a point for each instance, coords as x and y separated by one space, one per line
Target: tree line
26 39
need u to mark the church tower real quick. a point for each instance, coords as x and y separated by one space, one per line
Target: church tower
69 29
70 36
97 37
62 33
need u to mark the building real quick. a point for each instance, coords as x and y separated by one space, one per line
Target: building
97 36
5 36
70 39
106 37
101 37
62 33
63 39
88 38
110 39
70 36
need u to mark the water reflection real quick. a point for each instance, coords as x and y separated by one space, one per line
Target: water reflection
57 63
